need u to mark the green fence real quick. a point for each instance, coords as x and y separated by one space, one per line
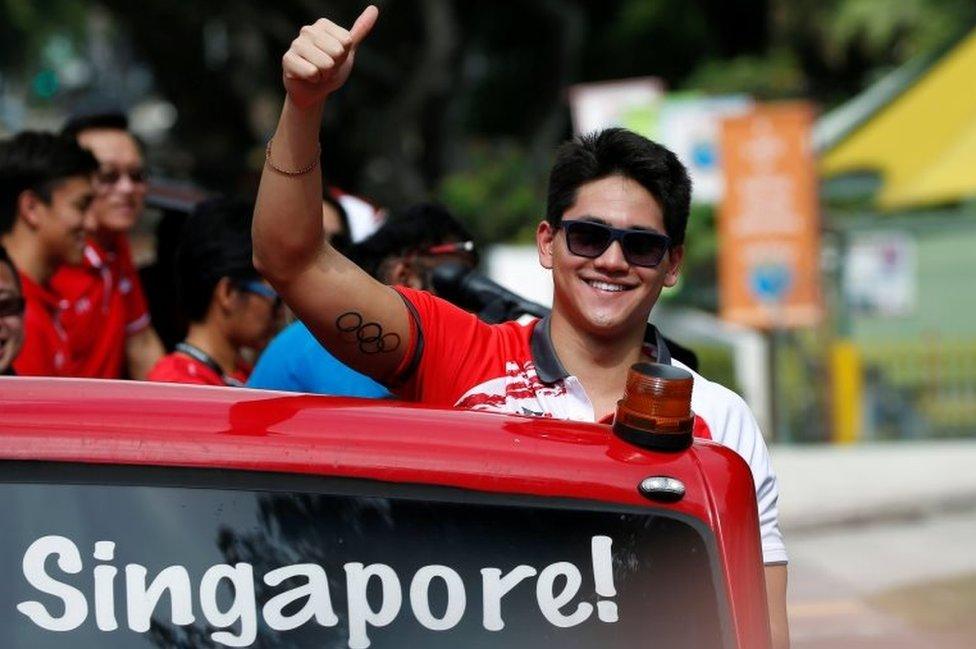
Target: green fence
909 389
920 389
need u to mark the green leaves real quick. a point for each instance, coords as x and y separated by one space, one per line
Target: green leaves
499 193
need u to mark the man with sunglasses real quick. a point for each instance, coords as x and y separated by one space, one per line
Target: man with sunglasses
107 319
229 306
613 238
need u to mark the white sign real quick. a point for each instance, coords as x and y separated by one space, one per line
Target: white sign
557 592
690 126
630 103
881 274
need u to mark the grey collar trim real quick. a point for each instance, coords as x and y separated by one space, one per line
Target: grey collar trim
548 366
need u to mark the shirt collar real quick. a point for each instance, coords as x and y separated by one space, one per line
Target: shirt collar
96 256
550 369
33 291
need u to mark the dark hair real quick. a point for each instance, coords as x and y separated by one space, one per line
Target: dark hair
37 162
216 243
5 259
343 239
111 120
108 119
419 226
619 152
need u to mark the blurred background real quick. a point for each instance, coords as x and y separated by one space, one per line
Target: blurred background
829 275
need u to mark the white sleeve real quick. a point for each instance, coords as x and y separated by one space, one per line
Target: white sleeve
752 447
732 424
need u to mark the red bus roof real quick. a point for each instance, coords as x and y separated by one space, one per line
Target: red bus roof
123 422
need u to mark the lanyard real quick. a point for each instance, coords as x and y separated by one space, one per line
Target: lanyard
203 357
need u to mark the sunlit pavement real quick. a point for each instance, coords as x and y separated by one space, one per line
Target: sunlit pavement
893 585
882 543
829 486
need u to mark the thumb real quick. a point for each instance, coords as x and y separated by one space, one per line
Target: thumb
364 24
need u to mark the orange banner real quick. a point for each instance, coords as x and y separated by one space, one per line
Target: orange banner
769 226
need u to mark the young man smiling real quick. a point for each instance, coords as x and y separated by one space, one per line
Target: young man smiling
45 195
613 236
107 319
11 314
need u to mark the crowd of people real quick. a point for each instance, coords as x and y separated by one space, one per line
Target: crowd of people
370 322
71 300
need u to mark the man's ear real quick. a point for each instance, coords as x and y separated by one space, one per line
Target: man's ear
545 239
225 294
675 256
31 208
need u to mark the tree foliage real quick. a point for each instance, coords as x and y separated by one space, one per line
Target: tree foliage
27 26
465 100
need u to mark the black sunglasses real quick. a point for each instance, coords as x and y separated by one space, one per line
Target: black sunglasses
590 239
109 177
12 306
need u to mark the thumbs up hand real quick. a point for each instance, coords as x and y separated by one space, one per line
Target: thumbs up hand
321 57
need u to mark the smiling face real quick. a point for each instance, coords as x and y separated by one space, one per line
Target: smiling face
11 324
120 182
607 296
64 222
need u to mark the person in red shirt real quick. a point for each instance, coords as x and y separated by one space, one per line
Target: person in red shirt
11 314
107 317
45 195
613 238
229 306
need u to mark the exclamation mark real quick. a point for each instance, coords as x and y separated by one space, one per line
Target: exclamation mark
603 577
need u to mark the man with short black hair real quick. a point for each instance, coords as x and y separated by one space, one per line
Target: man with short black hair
613 239
45 195
107 318
229 306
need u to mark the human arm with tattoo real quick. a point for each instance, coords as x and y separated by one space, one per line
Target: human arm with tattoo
361 321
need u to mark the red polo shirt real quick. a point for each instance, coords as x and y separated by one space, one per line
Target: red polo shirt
105 306
45 351
180 368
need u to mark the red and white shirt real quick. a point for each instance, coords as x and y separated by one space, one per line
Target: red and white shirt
45 351
456 360
105 306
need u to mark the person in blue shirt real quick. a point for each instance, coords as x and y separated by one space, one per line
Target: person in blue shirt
405 250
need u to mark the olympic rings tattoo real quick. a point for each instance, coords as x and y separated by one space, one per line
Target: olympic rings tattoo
369 335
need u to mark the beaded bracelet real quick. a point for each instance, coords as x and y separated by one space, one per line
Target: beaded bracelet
286 172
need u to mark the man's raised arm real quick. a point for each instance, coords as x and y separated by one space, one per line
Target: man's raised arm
364 323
